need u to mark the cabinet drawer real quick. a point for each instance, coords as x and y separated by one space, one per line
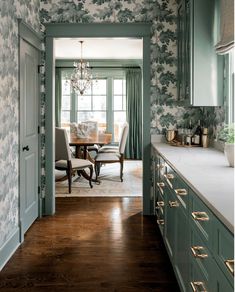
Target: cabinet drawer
224 250
170 177
202 219
198 281
182 192
200 254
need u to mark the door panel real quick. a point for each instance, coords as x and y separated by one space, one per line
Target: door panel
29 93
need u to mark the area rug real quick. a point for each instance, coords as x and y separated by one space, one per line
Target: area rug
110 185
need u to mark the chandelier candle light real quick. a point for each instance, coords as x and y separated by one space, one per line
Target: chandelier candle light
81 77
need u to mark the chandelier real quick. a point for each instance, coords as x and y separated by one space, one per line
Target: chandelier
81 77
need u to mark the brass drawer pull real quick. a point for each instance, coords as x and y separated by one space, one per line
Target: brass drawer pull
230 265
168 177
160 222
198 286
160 166
173 204
200 216
197 252
161 184
160 204
181 192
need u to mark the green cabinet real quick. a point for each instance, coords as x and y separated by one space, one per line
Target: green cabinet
199 246
200 69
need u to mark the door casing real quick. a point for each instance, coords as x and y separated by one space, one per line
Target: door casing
94 30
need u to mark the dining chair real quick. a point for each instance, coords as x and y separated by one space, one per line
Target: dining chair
64 161
113 157
92 130
112 148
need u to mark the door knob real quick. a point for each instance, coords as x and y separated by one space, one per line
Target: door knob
26 148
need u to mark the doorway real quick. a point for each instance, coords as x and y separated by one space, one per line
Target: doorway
96 30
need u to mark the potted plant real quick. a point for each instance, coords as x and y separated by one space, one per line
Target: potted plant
227 135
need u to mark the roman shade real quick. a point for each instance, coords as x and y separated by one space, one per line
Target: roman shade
226 37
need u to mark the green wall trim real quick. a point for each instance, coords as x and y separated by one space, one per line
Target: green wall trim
28 34
95 29
9 247
133 30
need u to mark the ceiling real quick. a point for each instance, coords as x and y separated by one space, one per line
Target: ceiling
99 48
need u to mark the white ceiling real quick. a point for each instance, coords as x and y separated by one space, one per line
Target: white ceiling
99 48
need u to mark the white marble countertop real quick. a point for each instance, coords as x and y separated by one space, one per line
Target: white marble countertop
207 172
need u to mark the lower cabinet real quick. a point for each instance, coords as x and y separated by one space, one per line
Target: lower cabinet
199 246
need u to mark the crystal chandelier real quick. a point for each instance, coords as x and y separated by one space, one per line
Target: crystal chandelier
81 77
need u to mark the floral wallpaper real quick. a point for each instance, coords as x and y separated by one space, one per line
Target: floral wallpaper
10 10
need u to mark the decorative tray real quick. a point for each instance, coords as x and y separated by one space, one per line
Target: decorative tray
178 144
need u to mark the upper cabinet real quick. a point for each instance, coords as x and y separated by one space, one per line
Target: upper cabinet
200 69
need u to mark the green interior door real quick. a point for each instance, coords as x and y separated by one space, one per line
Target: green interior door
29 94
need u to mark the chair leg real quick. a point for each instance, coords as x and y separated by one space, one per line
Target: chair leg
121 171
90 178
96 171
69 174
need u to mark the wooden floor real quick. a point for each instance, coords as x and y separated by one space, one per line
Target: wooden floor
91 244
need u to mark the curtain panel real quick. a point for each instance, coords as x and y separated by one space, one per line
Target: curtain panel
58 96
134 113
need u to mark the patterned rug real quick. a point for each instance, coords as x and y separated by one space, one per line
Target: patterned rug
110 185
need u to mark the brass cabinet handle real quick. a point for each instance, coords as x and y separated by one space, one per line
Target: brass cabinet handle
160 166
168 177
198 286
160 222
197 252
173 204
200 216
161 184
181 192
230 265
160 204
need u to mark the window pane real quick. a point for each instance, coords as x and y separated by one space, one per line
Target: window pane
65 86
99 87
84 102
65 117
124 102
117 102
117 86
88 91
119 120
65 102
100 117
99 102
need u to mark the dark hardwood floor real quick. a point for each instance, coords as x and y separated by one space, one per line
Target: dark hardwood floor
91 244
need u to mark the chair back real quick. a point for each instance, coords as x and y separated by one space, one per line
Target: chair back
62 150
123 137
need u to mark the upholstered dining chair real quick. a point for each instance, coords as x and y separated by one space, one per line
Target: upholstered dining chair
113 148
64 161
113 157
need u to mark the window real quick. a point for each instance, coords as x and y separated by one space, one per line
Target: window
119 106
229 87
104 102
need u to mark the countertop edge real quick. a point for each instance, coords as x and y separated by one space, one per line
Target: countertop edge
218 214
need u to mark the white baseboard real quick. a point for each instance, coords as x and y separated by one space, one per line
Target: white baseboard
9 247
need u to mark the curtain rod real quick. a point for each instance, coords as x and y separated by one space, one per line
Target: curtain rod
101 67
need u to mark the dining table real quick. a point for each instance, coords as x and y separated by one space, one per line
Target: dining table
91 140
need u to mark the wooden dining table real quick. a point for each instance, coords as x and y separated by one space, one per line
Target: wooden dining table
98 139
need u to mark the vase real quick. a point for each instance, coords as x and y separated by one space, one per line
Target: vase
229 153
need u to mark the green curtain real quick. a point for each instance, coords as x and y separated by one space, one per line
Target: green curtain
58 96
134 113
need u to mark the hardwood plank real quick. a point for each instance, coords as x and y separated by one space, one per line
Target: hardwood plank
91 244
